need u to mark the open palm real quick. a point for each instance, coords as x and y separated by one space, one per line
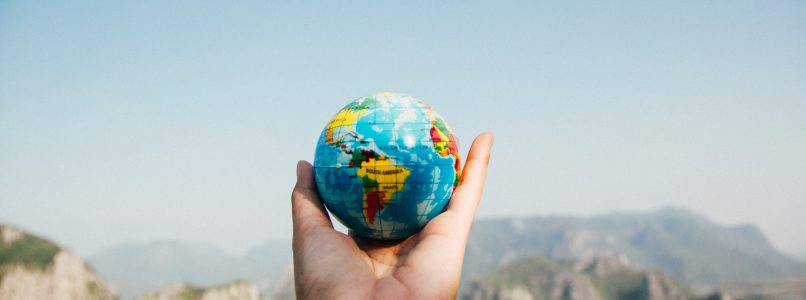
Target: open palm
329 264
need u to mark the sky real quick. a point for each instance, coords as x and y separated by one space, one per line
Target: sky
124 122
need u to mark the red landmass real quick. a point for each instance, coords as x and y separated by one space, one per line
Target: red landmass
435 135
374 204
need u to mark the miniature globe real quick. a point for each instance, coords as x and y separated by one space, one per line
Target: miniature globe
386 164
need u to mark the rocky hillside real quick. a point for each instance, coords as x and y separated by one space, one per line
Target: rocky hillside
592 279
236 290
686 246
34 268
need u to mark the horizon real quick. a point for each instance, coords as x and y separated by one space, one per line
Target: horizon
133 121
259 242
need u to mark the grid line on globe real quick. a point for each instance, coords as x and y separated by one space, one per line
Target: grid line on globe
386 164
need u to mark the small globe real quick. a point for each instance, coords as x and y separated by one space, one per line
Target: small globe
386 164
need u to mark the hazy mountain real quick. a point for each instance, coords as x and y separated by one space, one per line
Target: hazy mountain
601 278
236 290
687 246
35 268
270 267
137 269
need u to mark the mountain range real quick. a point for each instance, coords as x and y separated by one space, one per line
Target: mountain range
687 246
600 278
136 269
670 248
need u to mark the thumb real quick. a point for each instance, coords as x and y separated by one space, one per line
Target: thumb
307 210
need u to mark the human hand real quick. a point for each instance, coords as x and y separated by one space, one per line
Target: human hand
329 264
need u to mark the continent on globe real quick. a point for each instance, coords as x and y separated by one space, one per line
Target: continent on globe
381 181
386 164
348 115
445 144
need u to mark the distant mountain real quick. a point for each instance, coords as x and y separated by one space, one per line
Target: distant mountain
270 267
236 290
136 269
685 245
601 278
34 268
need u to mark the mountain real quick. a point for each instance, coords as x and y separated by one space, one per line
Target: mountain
236 290
270 267
601 278
687 246
34 268
136 269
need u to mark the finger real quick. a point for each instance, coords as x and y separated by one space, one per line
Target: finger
466 197
307 209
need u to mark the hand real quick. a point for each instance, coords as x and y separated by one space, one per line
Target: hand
329 264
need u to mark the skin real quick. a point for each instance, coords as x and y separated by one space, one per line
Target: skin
332 265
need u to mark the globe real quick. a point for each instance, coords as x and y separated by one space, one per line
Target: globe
386 164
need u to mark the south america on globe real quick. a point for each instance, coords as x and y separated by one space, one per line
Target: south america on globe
386 164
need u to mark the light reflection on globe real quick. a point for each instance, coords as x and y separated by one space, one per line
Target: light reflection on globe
386 164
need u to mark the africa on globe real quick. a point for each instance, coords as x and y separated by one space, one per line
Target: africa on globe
386 164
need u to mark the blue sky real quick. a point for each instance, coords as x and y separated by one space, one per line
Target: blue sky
126 122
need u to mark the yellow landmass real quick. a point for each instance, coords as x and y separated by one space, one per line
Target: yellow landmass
346 117
383 179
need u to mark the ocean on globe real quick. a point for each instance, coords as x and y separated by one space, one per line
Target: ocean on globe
386 164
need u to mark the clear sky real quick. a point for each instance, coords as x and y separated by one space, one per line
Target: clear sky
126 122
